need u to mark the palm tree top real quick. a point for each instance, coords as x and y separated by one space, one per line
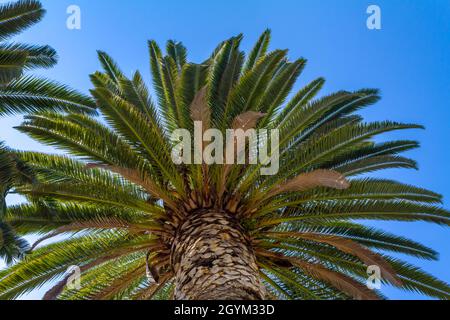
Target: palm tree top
138 222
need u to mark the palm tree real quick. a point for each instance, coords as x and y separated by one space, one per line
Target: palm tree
20 94
15 57
141 227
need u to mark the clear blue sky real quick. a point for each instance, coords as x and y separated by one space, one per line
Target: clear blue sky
408 59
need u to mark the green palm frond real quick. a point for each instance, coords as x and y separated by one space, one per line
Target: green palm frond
258 51
37 56
31 94
14 58
42 218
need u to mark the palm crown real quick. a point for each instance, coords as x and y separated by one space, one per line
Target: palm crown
145 228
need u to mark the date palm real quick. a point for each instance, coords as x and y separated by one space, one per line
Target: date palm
141 227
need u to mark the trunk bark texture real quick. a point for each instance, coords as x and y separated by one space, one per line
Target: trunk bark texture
213 259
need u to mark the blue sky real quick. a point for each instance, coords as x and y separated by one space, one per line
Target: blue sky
408 59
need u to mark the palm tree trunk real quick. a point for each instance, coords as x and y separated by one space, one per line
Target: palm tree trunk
213 259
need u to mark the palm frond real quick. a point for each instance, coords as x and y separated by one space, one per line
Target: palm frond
36 56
